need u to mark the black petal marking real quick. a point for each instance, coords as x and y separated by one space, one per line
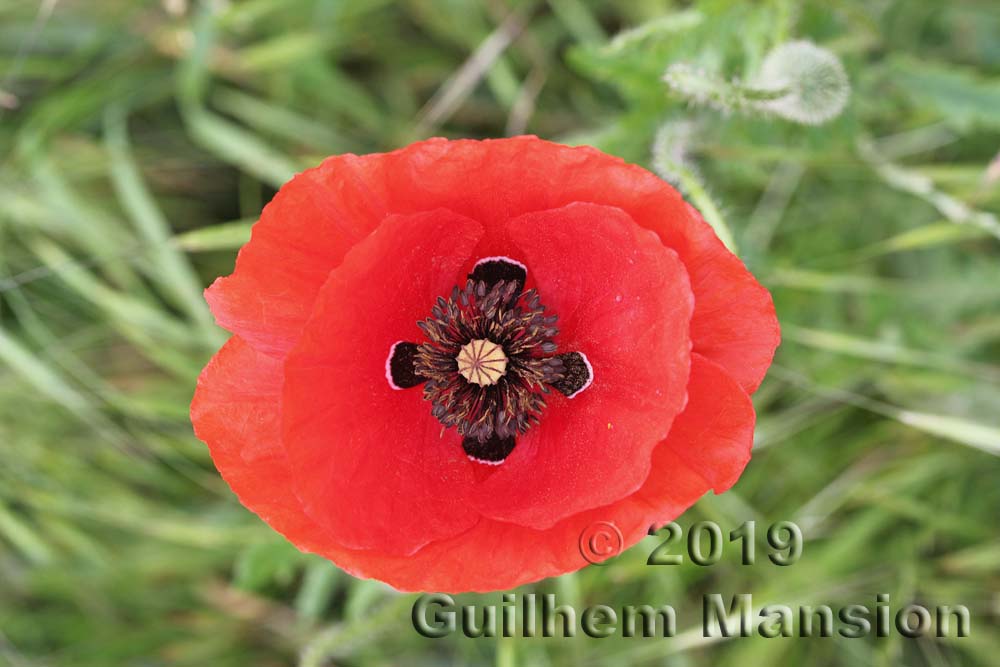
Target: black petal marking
491 452
492 270
577 376
399 366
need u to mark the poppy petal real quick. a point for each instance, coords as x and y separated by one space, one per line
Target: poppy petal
682 467
303 233
715 437
370 463
623 300
734 322
493 181
235 411
316 217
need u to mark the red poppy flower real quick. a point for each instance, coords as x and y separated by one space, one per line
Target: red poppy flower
450 360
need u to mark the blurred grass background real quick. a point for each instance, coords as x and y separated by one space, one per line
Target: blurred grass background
139 140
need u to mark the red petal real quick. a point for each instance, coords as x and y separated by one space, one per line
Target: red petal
493 181
317 216
235 411
698 453
734 322
370 463
623 300
715 436
303 234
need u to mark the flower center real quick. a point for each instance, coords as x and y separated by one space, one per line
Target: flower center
482 361
489 360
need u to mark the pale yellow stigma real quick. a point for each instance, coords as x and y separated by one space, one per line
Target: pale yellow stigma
482 362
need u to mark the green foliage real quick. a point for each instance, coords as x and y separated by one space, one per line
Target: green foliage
138 141
958 94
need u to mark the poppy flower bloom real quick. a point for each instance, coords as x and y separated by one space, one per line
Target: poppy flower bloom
451 360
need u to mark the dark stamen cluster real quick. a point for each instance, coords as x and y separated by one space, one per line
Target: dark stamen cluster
514 320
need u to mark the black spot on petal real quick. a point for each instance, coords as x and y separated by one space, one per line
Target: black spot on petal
577 374
492 270
399 369
492 451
